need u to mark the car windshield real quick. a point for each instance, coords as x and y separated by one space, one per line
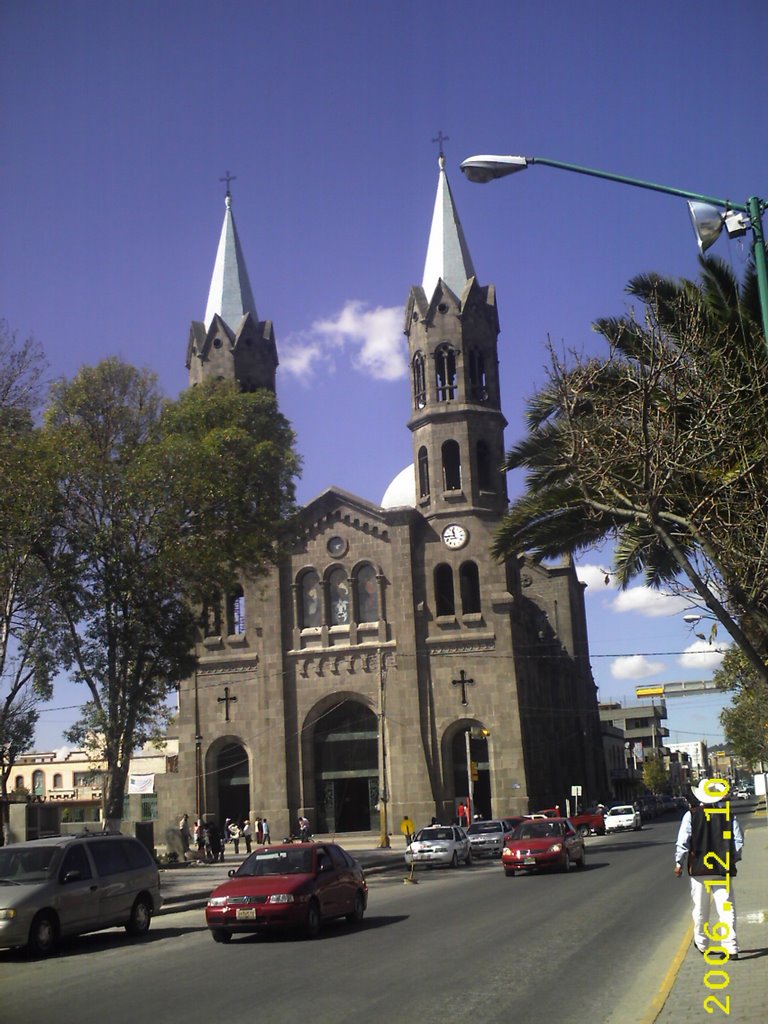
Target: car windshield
536 830
479 828
26 864
620 810
277 862
428 835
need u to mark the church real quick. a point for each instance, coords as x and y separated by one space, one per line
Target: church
389 665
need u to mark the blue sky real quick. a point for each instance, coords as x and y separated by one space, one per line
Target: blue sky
120 119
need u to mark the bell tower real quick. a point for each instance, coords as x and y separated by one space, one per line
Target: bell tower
231 343
456 421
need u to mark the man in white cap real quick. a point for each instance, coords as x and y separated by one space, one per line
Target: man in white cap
709 843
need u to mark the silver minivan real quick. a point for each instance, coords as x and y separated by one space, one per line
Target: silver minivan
66 885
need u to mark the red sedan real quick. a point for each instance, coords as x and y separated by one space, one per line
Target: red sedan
543 843
294 885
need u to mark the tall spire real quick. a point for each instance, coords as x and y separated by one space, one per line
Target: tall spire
230 295
447 253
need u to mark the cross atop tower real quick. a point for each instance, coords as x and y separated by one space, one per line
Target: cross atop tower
440 139
228 177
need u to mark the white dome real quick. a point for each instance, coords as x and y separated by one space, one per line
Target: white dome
402 490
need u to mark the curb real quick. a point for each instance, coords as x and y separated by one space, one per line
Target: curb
669 979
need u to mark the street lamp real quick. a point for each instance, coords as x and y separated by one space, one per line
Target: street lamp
707 220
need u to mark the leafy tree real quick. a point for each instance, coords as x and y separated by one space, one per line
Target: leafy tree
28 647
159 504
662 448
655 774
746 721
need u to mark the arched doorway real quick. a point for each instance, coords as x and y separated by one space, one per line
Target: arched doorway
347 769
480 767
233 782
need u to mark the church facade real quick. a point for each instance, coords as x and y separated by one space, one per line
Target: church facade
390 665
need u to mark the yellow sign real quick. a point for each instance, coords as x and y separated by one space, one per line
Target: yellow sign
649 691
473 771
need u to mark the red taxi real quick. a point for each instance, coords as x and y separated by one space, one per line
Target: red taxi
543 843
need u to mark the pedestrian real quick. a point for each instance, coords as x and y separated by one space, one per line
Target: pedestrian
407 828
265 832
304 828
247 835
259 831
184 832
463 815
709 843
234 835
200 838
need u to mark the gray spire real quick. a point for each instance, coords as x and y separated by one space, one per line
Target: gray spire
447 253
230 295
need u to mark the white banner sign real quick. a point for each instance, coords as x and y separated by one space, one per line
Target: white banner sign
141 783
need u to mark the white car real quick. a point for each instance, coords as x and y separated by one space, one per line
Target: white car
440 844
622 817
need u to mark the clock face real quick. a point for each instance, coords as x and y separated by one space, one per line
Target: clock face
454 536
337 546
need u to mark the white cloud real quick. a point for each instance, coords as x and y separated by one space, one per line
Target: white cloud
701 655
649 602
635 666
374 337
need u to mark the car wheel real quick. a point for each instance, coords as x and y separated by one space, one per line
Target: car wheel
141 915
455 860
312 924
509 872
359 909
567 862
583 830
43 934
582 862
221 935
468 859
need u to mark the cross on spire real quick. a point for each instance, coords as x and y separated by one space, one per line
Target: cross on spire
440 139
228 177
226 700
463 682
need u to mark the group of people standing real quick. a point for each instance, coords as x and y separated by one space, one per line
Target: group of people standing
211 842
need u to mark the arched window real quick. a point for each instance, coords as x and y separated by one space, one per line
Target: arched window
445 373
58 781
469 585
19 782
423 473
338 592
419 382
478 385
451 466
311 600
38 783
236 611
367 594
484 470
444 599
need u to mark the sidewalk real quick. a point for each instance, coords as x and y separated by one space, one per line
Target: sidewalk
743 984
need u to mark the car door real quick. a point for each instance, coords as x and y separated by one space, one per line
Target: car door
326 882
346 882
77 897
462 842
115 880
572 841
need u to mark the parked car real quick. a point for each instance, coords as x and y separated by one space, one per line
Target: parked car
487 837
624 816
290 885
440 844
742 793
66 885
543 843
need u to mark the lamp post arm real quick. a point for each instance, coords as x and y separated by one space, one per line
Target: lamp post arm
726 204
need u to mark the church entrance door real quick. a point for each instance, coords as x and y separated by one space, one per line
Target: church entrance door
233 783
480 768
347 769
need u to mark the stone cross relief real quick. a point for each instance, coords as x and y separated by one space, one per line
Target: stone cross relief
463 682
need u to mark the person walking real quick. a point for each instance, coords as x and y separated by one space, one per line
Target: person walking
407 827
265 837
259 831
247 835
234 835
304 828
463 815
709 843
185 833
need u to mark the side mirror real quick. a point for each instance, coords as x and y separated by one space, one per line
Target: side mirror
71 876
232 872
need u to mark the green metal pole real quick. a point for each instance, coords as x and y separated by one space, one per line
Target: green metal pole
755 207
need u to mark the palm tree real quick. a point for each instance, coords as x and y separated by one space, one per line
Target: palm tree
661 448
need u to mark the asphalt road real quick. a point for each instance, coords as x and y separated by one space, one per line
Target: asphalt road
593 945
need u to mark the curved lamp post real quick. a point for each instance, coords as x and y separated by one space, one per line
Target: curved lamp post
707 219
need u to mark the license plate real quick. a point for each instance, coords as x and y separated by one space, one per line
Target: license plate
529 860
246 914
